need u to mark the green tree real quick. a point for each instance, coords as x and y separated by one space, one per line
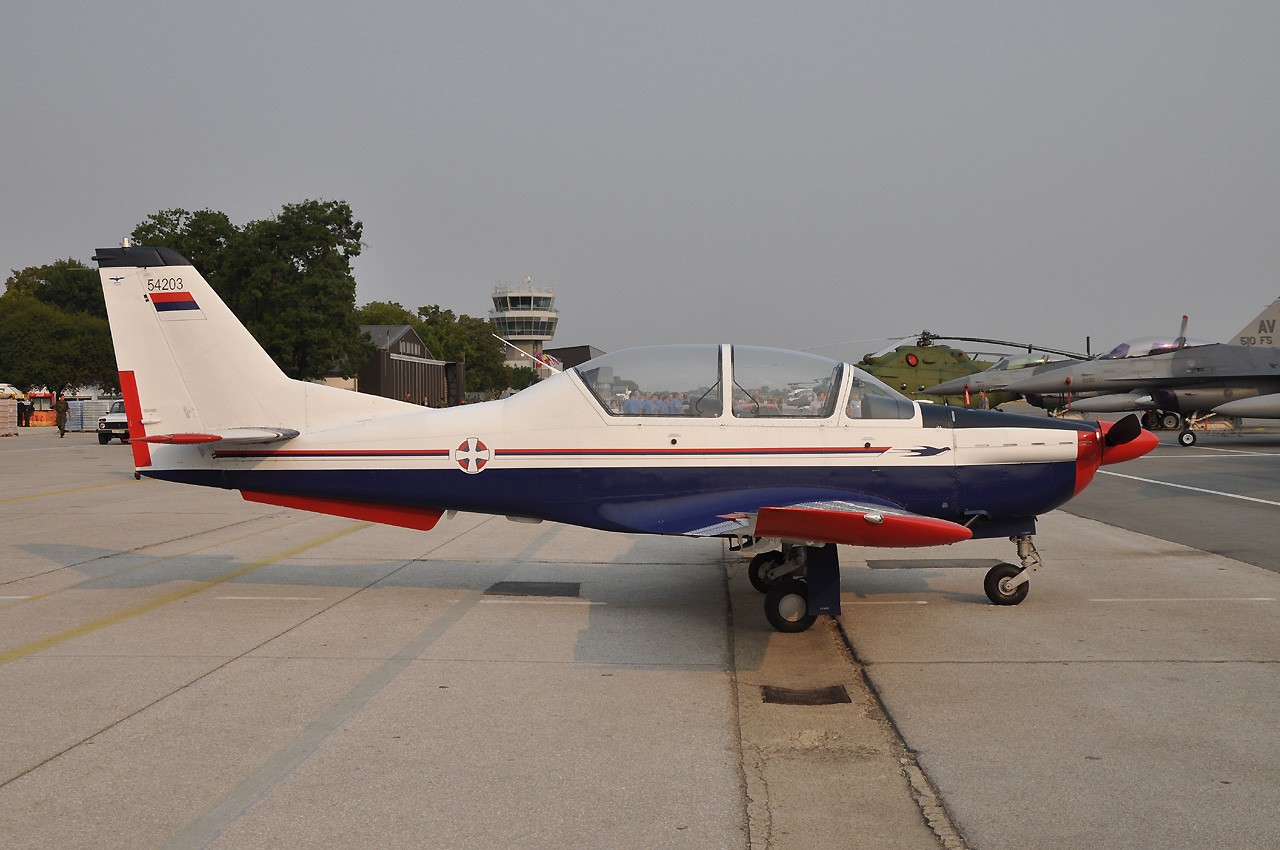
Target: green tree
69 285
388 313
203 237
521 377
469 339
43 346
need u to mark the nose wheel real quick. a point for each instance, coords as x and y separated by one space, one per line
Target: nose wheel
1002 585
1008 584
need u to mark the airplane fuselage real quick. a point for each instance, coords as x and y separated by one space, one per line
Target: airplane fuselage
554 452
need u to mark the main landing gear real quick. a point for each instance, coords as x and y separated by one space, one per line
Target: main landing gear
800 582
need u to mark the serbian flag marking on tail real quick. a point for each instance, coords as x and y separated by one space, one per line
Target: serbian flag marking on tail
176 305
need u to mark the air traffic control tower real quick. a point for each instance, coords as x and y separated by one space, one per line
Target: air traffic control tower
525 316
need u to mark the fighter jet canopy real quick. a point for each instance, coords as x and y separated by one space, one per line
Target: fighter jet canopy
1149 345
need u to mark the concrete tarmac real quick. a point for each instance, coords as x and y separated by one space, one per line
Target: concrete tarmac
179 668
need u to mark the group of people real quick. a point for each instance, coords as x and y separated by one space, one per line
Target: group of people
25 409
655 404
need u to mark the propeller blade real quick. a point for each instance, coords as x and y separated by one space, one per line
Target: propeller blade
1124 431
1126 440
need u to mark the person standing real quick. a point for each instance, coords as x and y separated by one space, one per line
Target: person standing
60 416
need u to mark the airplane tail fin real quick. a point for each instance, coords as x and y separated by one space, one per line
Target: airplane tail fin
192 373
1260 330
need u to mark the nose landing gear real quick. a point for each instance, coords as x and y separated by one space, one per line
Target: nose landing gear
1007 584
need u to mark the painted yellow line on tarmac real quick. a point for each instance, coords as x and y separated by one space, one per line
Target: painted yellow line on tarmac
65 492
151 605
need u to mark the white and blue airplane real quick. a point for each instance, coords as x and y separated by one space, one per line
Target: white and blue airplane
695 440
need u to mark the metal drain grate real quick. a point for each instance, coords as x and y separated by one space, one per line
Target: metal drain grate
805 696
534 588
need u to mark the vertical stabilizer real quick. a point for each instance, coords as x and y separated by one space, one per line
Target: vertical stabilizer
1260 331
195 368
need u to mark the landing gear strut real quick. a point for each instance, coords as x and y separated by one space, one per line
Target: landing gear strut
1007 584
800 582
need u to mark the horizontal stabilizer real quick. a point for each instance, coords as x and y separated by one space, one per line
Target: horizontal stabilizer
405 516
228 435
857 526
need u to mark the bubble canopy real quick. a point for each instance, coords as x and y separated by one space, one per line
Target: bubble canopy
744 382
1148 345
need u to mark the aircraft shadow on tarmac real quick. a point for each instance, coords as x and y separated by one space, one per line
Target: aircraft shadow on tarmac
638 615
664 615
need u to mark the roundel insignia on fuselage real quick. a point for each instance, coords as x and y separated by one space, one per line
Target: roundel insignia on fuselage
472 455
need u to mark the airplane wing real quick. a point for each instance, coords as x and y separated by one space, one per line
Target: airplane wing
839 521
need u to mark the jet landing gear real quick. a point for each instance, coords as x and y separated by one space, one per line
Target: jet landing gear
799 583
1007 584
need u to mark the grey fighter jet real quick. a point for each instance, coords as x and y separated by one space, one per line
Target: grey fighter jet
1186 379
1178 382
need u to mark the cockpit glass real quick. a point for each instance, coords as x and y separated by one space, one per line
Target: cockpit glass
1149 345
871 398
669 380
774 382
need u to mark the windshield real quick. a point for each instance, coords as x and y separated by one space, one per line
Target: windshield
670 380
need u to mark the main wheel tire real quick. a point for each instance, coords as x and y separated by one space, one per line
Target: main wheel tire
760 564
103 439
1171 421
1187 438
786 605
997 587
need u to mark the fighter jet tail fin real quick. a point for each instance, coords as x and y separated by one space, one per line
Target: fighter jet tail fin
1261 330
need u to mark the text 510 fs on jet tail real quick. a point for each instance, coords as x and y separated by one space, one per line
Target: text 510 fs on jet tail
725 454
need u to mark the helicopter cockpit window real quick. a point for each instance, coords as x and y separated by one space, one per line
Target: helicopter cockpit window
673 380
772 382
871 398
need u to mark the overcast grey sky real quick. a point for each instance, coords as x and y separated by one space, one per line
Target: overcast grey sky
793 174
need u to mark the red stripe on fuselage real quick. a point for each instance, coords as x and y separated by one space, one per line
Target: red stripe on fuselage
133 416
550 453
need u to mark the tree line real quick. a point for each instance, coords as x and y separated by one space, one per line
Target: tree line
287 278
